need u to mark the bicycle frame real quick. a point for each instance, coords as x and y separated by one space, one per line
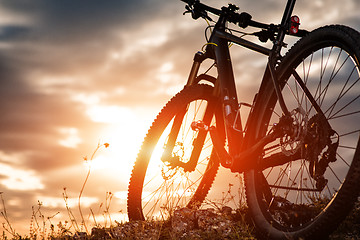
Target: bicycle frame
300 159
218 50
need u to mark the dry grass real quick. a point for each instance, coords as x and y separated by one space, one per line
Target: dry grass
234 224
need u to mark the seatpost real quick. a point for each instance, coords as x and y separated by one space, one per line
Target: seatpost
284 22
275 54
288 11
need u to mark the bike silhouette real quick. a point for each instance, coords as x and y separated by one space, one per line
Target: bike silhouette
298 146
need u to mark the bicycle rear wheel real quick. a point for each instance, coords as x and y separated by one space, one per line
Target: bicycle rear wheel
308 180
164 178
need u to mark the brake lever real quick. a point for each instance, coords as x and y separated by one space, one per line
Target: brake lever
188 10
195 14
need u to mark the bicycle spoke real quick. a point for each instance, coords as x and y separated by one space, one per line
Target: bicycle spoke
342 92
340 181
341 109
342 159
344 115
331 78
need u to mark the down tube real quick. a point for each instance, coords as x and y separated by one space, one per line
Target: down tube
228 95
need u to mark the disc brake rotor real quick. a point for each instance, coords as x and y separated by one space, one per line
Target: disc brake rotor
292 142
170 167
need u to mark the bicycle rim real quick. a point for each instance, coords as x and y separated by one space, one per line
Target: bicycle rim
292 199
167 186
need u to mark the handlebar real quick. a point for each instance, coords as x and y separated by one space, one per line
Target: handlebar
243 19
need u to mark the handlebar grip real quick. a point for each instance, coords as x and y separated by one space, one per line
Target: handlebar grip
244 19
201 6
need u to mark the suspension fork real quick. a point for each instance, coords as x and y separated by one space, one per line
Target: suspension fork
198 59
175 128
170 144
198 142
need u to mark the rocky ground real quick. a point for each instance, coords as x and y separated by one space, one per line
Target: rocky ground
204 224
185 224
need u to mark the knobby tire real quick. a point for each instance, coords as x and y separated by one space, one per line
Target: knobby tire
156 187
284 201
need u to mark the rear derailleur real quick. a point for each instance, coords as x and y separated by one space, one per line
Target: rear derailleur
320 146
311 139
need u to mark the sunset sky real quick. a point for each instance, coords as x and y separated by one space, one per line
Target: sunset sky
76 73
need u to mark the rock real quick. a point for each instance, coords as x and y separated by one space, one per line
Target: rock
183 220
100 234
146 230
80 235
187 223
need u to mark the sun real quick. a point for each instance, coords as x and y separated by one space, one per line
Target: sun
124 131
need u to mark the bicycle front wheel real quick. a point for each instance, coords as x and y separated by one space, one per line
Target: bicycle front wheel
176 166
308 180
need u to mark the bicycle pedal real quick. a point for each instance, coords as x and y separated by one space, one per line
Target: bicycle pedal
199 126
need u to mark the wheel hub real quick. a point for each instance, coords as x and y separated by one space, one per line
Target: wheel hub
292 140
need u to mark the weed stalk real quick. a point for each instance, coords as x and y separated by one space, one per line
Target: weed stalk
83 223
7 227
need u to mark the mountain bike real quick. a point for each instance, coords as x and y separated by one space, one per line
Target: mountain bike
298 146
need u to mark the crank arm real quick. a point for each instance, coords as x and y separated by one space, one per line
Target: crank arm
241 161
278 159
244 161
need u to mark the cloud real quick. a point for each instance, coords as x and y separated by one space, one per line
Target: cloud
75 72
71 138
18 179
